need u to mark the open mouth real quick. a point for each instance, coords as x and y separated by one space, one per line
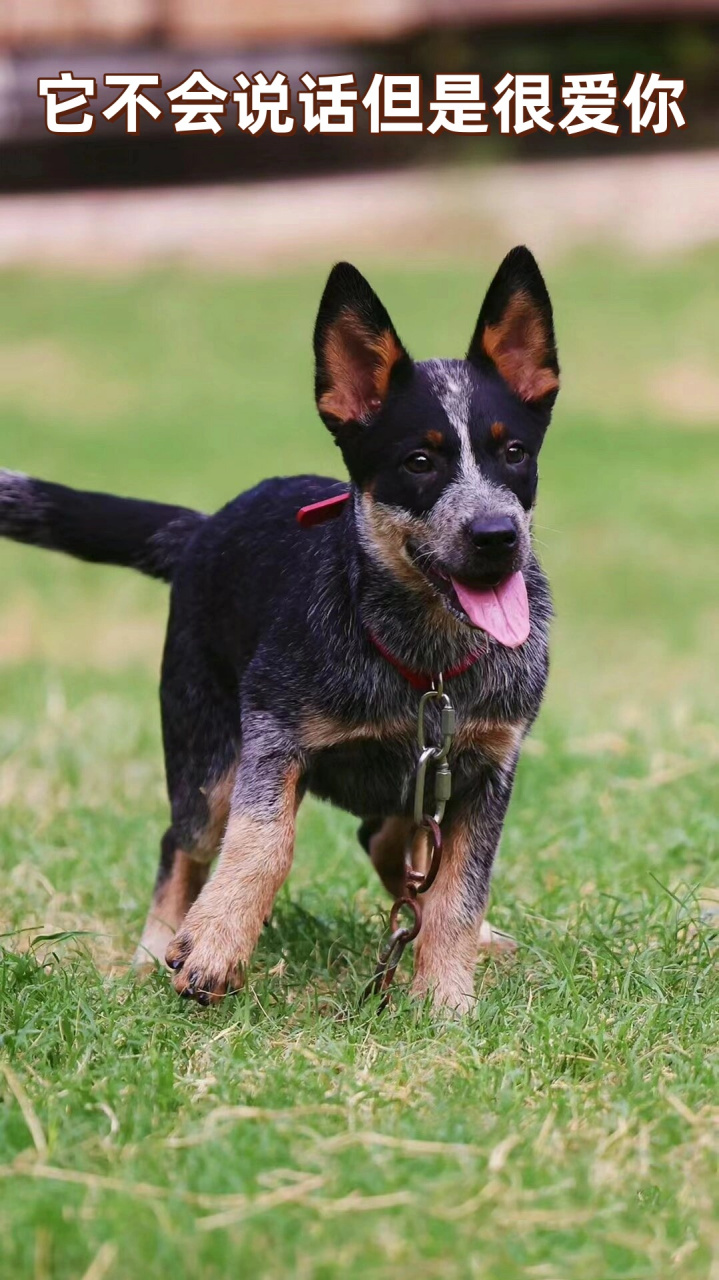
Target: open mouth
501 609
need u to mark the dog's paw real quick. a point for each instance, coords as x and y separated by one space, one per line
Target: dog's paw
202 970
447 1000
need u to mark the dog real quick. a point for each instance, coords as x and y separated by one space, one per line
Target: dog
294 656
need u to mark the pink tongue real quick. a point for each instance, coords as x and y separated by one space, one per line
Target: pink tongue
501 611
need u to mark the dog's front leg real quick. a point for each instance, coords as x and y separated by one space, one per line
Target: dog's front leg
213 948
453 909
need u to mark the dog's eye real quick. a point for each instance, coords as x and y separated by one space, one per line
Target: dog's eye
515 453
418 463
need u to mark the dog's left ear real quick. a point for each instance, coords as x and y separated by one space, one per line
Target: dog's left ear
515 332
357 351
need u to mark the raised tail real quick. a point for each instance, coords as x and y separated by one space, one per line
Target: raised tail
149 536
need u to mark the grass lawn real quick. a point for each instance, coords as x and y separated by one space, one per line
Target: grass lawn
570 1127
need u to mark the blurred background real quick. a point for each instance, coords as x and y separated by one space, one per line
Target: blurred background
158 297
172 37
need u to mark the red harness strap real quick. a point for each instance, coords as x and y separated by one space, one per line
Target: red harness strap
419 679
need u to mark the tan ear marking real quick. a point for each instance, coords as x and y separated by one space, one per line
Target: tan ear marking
517 346
358 365
388 352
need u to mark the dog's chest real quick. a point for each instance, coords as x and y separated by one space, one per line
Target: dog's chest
374 775
364 776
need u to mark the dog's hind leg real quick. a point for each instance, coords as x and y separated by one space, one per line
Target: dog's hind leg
201 732
385 840
179 880
184 868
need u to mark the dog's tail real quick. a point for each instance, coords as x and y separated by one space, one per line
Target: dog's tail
149 536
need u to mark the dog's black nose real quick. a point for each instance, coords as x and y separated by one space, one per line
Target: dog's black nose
495 533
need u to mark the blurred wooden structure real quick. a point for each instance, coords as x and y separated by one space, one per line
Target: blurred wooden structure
32 24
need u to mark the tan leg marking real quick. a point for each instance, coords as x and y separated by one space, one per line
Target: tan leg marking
175 895
170 904
219 935
448 943
450 939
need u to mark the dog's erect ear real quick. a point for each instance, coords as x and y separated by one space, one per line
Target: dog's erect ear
515 332
357 351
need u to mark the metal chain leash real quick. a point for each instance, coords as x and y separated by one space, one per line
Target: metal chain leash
427 819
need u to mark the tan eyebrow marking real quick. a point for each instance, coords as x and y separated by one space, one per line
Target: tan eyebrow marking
498 430
434 438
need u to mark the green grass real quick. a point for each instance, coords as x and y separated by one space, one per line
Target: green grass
568 1128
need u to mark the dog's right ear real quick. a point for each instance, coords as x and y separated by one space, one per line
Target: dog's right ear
357 351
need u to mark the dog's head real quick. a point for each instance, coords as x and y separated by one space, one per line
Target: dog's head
444 452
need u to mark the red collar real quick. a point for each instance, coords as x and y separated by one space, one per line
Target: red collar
319 512
419 679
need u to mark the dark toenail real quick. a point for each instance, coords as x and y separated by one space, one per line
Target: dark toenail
174 964
203 997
